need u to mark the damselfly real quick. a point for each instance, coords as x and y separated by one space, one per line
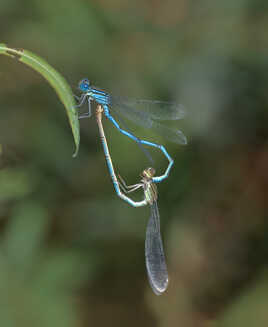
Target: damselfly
145 113
154 253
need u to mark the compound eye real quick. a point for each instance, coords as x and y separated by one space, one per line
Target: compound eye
152 171
84 85
148 173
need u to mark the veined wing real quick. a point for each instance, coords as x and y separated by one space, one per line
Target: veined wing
171 134
144 119
154 253
161 110
140 118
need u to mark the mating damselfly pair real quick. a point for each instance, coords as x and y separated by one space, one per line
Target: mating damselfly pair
146 113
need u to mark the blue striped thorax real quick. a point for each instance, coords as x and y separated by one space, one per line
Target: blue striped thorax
100 96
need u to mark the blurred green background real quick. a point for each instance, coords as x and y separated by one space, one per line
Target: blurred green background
72 253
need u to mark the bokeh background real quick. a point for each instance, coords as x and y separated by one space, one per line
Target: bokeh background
71 252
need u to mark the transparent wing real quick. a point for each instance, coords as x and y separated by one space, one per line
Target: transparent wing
144 120
161 110
140 118
154 253
171 134
125 127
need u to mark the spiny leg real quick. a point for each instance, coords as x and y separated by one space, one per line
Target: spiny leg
81 100
128 186
135 187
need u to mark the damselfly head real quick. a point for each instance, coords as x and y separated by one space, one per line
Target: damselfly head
148 173
84 85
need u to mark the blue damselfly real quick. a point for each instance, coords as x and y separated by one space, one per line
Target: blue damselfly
146 113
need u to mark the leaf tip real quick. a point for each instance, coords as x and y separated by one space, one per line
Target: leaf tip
76 152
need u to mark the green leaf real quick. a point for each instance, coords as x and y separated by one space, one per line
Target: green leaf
55 79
